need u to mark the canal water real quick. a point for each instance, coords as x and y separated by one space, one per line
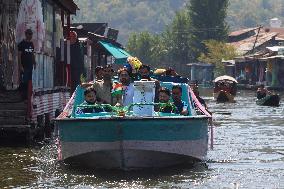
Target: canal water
248 153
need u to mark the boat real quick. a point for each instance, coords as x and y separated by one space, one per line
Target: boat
225 89
269 100
136 137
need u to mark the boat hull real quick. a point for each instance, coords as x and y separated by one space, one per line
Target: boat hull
271 100
223 96
132 143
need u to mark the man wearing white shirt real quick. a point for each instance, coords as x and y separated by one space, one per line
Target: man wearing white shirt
127 86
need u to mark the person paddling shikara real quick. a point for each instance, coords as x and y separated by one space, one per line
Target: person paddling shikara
262 92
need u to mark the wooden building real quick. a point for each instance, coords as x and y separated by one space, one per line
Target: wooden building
95 45
251 45
274 70
202 73
48 92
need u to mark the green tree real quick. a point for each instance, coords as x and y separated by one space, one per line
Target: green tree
177 40
149 48
216 52
130 16
207 21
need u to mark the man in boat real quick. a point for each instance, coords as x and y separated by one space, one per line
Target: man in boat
171 72
127 86
104 88
26 60
90 99
164 97
144 72
194 88
181 105
99 72
262 92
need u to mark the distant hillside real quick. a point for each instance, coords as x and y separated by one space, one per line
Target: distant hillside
129 15
153 15
250 13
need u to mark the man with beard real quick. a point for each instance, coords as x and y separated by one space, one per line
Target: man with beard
127 86
144 72
104 88
181 105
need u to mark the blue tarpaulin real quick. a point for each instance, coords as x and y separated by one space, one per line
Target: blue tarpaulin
119 54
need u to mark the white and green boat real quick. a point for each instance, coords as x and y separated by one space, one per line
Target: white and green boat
133 140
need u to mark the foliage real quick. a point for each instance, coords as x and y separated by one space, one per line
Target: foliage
244 13
216 52
129 15
152 15
207 21
176 39
82 78
147 47
165 49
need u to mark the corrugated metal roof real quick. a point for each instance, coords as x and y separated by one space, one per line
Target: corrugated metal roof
246 45
280 31
200 64
273 57
253 57
266 34
242 31
97 28
275 48
67 5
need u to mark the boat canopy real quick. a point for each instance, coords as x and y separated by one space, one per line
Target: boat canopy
119 54
225 77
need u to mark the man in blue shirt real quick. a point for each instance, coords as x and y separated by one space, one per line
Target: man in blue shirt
181 105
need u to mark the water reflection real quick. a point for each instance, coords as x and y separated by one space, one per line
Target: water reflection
16 165
60 175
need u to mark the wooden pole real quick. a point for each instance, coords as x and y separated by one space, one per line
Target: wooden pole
256 38
62 70
68 67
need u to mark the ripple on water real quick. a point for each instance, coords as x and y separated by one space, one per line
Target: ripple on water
248 153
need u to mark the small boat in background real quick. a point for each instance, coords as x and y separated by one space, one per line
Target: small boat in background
270 100
225 89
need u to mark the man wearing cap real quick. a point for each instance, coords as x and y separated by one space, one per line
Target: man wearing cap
26 60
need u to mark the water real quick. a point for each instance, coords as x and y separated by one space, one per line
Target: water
248 153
